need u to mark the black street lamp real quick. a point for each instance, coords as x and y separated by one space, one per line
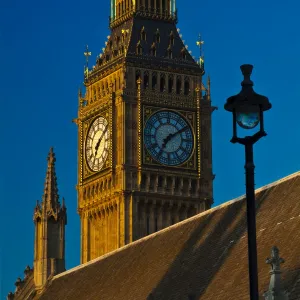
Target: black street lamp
247 109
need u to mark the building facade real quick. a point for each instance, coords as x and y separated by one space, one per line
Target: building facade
144 131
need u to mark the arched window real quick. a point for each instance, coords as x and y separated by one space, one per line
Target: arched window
178 85
146 80
186 87
162 83
170 84
154 81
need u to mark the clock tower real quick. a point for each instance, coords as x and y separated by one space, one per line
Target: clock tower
144 131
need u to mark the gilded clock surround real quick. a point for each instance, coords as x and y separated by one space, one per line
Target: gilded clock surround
97 144
190 117
133 196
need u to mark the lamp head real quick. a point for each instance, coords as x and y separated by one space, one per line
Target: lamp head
247 105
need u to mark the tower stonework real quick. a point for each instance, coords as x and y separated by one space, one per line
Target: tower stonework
144 131
50 219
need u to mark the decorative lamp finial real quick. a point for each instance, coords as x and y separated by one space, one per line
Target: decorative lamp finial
247 71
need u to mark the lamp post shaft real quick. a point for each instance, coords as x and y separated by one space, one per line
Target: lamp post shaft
251 221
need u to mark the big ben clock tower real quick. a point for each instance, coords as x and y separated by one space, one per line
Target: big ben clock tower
144 131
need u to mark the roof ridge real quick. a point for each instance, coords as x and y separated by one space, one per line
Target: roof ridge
269 185
177 225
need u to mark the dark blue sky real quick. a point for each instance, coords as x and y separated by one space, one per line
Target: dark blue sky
41 60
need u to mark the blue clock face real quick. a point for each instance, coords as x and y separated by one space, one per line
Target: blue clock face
168 138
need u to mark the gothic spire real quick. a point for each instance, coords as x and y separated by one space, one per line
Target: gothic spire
275 291
50 197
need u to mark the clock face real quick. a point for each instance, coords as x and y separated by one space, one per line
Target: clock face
168 138
97 144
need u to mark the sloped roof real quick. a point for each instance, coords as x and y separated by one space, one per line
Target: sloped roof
119 50
204 257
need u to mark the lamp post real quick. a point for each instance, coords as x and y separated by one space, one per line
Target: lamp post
247 109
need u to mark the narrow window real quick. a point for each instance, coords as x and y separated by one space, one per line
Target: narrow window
146 80
163 5
178 86
154 81
169 51
143 34
170 83
186 87
162 83
152 5
172 221
183 53
156 225
139 49
157 36
148 225
172 40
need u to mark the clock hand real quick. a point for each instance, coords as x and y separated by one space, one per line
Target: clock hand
100 139
171 135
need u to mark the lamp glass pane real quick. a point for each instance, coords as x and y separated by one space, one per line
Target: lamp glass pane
247 120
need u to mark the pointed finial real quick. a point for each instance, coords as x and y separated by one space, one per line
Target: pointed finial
199 43
208 82
51 156
275 260
63 202
50 197
87 54
275 291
